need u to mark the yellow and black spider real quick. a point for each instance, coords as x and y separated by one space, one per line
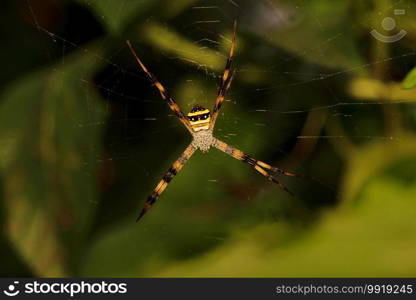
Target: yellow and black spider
200 123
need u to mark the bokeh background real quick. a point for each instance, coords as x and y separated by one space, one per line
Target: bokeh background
84 138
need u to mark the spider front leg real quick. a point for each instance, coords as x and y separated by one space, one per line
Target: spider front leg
171 173
163 92
226 80
258 165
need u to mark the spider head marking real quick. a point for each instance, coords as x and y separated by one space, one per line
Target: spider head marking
199 118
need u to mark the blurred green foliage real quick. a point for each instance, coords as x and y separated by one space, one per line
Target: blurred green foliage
410 81
84 138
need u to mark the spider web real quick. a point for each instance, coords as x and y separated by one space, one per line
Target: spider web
205 24
301 98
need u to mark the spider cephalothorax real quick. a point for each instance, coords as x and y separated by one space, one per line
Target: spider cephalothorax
200 123
199 118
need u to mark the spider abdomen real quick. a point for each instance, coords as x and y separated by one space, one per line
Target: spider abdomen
203 140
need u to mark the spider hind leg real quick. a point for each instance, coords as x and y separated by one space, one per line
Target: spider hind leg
167 178
257 165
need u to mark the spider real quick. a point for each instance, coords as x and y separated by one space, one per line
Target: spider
200 123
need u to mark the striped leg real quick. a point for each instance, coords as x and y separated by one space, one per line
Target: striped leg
258 165
163 93
286 173
226 80
173 170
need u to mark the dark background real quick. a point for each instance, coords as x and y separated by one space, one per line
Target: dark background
85 138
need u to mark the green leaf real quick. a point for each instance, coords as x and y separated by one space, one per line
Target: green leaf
115 15
410 81
48 154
